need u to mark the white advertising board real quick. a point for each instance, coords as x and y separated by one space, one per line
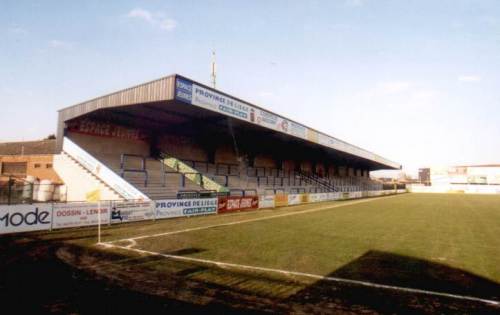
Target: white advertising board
127 211
172 208
79 214
334 196
318 197
266 201
294 199
355 194
24 218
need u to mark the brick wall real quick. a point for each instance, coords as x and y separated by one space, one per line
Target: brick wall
39 166
265 161
182 148
110 146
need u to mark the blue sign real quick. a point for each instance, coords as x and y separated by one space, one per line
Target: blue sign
183 90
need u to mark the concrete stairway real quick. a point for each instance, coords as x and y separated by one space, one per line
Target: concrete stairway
73 174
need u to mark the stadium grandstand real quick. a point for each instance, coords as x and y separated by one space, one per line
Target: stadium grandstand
174 137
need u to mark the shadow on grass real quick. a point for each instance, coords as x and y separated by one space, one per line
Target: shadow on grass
185 251
403 271
34 281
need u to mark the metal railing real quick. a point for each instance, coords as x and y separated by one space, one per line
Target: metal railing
194 194
197 178
142 169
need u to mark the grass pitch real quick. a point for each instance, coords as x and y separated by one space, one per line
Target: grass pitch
432 242
459 231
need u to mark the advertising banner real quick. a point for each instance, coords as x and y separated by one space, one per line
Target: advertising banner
128 211
304 198
334 196
104 129
207 98
295 199
355 194
195 94
344 195
313 198
281 200
266 201
23 218
312 136
172 208
318 197
237 203
79 214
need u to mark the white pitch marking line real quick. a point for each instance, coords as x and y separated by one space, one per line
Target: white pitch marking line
250 220
223 265
132 244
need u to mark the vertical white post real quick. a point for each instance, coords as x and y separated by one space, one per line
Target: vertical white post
52 217
109 212
99 221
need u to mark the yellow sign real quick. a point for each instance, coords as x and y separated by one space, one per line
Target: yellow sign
281 200
93 196
312 135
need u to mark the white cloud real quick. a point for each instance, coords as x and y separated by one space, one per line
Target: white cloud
469 78
266 94
456 25
141 14
59 44
490 21
156 19
167 24
354 3
393 87
17 30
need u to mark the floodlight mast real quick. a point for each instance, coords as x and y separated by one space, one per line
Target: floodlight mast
214 71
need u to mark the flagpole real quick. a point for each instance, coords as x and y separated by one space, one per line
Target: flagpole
99 221
93 197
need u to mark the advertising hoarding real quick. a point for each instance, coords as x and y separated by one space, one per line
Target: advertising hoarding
79 214
266 201
24 218
281 200
128 211
238 203
172 208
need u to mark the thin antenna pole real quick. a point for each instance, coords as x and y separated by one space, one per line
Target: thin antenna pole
214 70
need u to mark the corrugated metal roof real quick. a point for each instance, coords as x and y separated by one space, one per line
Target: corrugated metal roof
28 147
158 90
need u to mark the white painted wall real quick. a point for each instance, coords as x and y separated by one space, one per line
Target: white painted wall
79 181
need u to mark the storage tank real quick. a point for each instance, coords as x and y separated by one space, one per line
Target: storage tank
28 187
45 190
60 193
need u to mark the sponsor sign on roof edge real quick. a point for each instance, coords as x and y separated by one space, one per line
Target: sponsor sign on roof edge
189 92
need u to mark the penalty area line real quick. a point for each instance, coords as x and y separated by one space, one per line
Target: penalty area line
226 265
344 204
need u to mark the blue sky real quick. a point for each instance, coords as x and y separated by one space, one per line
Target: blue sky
415 81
